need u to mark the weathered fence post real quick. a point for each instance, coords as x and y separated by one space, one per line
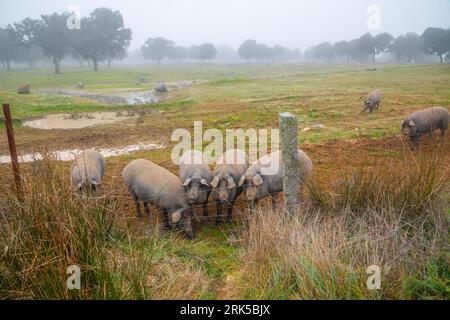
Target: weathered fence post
12 147
290 161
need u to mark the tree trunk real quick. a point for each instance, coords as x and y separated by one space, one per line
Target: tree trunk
8 64
373 58
109 63
442 59
56 63
95 64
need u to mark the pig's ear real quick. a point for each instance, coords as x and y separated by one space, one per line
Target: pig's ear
78 187
401 125
215 182
241 182
231 183
204 182
186 183
412 123
257 180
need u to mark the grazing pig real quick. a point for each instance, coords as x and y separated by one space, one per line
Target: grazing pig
152 184
264 177
87 170
229 169
373 101
425 121
196 178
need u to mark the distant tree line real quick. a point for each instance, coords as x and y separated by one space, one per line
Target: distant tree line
101 37
159 48
104 38
408 47
252 50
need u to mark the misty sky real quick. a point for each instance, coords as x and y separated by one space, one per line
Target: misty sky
292 23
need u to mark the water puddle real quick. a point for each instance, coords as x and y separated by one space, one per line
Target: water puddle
68 155
119 97
124 96
80 120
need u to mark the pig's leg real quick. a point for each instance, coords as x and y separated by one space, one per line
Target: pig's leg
205 210
187 225
218 212
136 201
230 210
164 218
415 142
146 208
205 206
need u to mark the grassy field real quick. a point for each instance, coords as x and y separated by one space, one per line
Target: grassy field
373 201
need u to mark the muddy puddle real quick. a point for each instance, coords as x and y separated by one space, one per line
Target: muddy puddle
68 155
126 97
81 120
123 96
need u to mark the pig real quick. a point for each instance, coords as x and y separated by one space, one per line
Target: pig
229 168
87 170
196 178
373 101
152 184
264 177
425 121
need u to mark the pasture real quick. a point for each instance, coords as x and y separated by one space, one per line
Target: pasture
373 201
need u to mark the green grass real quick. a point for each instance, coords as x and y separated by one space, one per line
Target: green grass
235 96
248 95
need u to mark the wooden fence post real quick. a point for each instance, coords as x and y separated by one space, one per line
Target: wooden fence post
290 161
12 148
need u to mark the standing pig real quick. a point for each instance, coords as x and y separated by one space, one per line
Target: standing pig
196 178
373 101
87 170
425 121
229 169
264 177
152 184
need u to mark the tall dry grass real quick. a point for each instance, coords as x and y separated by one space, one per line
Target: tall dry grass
389 214
52 227
392 215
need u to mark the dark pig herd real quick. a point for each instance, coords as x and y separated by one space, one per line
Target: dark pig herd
176 196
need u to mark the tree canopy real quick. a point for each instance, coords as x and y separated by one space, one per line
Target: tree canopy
437 41
205 51
54 37
102 37
157 49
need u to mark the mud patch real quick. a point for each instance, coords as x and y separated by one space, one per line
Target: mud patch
115 98
68 155
79 120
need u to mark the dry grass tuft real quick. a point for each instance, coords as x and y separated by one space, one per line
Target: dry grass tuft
52 228
389 215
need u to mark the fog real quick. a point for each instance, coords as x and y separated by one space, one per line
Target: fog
295 24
